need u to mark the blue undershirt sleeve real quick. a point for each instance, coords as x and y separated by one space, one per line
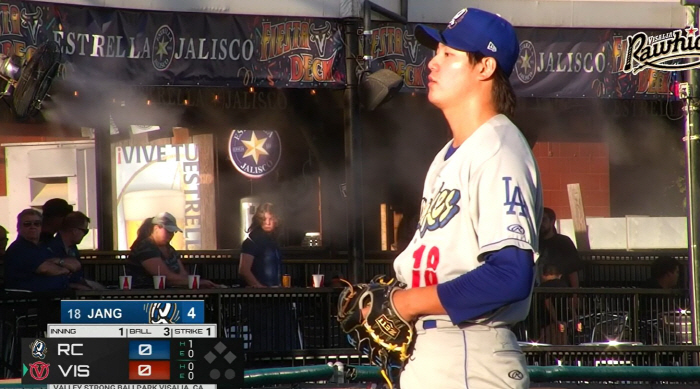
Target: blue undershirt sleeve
505 277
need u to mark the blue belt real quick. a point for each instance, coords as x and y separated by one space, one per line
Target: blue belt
429 324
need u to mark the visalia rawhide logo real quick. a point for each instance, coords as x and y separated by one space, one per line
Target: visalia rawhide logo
254 153
663 52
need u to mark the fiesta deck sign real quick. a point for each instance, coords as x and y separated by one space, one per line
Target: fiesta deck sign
254 153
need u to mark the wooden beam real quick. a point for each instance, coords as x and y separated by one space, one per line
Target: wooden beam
579 216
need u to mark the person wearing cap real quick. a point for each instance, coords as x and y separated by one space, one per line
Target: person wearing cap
151 254
65 245
53 211
469 268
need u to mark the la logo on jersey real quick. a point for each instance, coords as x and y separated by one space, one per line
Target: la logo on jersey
514 199
438 211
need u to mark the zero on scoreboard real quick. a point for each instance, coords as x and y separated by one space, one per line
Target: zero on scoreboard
132 311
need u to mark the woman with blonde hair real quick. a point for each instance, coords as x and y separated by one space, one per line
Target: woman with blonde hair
151 254
261 262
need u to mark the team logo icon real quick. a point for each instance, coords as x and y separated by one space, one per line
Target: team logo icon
526 67
676 50
254 153
39 349
516 228
163 48
457 18
162 313
516 375
39 370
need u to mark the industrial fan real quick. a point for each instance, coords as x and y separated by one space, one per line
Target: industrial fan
28 83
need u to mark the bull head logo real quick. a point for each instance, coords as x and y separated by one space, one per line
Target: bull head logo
410 43
320 35
32 22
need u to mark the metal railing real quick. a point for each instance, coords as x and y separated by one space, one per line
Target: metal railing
566 316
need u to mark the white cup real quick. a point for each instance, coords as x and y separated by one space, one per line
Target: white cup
125 282
158 282
318 280
193 281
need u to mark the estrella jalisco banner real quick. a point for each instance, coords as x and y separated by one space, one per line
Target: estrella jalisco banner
166 48
555 63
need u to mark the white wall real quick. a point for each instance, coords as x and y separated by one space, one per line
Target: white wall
536 13
19 194
632 232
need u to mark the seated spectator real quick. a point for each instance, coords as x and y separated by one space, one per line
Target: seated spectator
557 249
664 273
31 266
65 244
53 211
151 254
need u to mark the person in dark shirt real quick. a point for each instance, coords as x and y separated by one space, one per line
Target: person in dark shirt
31 266
151 254
65 244
260 261
559 250
665 272
272 323
53 211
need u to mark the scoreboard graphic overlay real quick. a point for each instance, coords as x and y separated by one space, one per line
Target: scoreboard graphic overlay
132 344
132 311
132 361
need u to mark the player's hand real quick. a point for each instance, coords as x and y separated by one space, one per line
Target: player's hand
398 299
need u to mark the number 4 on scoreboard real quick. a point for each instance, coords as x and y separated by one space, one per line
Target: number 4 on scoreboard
193 312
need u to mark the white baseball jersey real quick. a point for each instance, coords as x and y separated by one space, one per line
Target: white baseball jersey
484 197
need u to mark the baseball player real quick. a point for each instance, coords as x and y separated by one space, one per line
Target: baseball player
470 265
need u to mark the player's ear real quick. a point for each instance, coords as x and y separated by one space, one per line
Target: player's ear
488 68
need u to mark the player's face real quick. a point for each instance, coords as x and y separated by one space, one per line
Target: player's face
269 222
451 76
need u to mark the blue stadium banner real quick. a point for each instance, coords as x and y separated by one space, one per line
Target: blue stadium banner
166 48
553 62
132 311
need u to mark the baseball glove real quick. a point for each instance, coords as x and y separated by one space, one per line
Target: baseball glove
384 336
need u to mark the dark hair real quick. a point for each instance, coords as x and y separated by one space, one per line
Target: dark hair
56 208
75 219
663 265
550 213
259 215
144 232
502 92
27 212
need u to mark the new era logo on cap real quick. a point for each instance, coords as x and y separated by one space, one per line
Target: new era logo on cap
476 31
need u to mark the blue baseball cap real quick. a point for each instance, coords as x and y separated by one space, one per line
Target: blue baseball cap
476 31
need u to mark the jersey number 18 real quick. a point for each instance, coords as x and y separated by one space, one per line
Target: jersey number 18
430 275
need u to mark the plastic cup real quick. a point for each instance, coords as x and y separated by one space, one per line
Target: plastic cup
317 280
158 282
193 281
125 282
286 281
